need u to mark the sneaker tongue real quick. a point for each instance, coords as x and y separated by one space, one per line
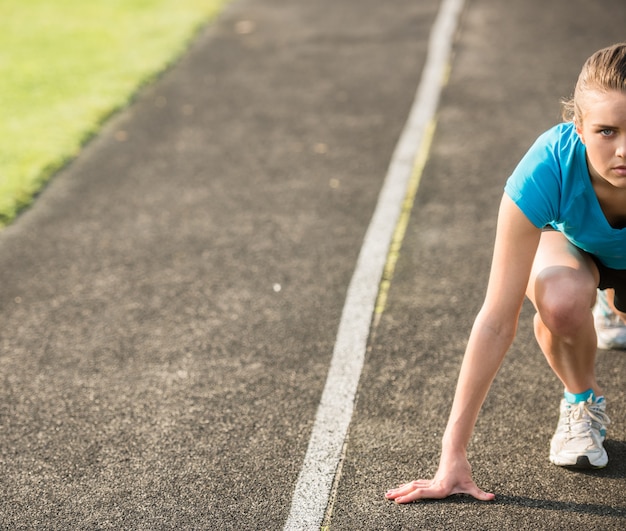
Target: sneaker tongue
580 424
574 398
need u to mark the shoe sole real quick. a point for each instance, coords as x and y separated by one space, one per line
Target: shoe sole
582 463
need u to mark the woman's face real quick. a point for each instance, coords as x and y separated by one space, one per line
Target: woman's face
603 131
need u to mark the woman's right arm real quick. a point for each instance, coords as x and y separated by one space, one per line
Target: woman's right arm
491 336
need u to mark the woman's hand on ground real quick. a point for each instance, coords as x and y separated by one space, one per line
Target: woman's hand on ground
451 478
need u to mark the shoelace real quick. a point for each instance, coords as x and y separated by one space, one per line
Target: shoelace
612 321
583 414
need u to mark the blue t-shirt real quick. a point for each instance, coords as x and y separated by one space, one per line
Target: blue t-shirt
552 186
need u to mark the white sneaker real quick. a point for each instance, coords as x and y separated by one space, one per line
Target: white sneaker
579 435
610 329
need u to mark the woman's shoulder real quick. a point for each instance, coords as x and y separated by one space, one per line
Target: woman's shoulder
560 144
560 134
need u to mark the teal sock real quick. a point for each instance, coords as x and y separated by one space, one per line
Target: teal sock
574 398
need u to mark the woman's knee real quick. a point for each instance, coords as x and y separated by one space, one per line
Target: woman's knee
563 299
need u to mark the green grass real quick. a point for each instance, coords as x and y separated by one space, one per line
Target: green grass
67 65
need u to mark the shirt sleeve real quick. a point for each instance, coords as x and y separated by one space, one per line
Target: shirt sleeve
535 184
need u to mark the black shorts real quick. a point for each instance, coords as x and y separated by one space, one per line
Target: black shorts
613 278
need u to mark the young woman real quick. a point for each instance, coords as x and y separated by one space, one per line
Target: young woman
561 236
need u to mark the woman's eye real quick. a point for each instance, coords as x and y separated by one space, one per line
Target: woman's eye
606 132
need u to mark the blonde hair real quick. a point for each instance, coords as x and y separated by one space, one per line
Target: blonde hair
604 71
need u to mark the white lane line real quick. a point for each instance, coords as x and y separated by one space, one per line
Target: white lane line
313 488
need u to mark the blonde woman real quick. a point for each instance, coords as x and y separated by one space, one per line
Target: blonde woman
561 236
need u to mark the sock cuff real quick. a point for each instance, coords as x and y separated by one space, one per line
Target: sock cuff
574 398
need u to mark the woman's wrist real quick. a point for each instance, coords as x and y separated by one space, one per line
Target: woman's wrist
452 447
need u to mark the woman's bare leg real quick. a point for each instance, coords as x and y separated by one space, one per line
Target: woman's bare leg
562 287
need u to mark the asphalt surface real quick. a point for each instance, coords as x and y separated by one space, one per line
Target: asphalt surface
169 305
